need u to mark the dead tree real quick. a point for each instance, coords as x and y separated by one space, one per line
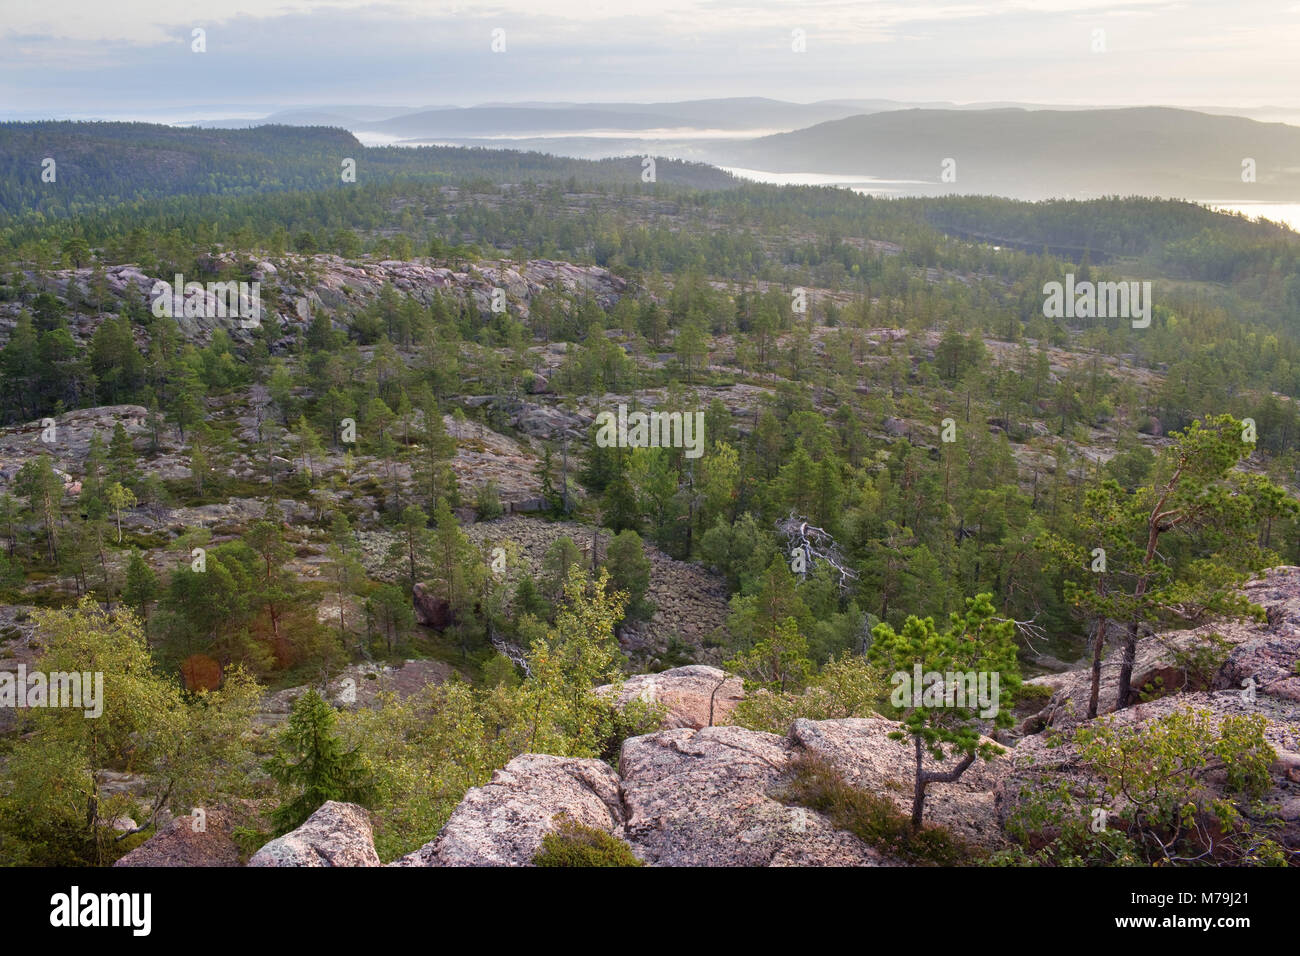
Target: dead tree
806 543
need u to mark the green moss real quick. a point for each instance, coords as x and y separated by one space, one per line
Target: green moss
572 844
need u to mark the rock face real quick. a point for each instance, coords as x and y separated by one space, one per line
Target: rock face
338 834
1267 651
1264 655
869 760
502 823
67 442
180 844
695 696
706 797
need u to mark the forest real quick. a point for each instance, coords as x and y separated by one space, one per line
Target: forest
904 461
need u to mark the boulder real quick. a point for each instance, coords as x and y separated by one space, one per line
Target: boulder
431 611
503 822
695 696
179 843
338 834
860 748
709 798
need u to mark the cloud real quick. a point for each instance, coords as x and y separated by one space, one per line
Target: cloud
78 54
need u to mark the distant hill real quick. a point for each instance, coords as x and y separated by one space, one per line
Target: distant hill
479 121
1044 153
104 164
518 119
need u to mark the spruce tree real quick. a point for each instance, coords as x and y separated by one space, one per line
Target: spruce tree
312 763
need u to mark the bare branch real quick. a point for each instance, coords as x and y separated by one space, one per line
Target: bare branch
816 544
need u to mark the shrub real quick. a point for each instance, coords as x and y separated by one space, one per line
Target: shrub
487 502
848 686
573 844
1148 786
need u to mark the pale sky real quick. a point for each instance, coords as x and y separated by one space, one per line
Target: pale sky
134 57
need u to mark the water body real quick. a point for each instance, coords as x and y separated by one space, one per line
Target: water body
866 185
1287 213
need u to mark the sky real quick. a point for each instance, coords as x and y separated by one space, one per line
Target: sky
135 58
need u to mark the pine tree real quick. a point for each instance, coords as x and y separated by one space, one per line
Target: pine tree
309 447
121 457
43 489
629 571
413 542
141 585
974 643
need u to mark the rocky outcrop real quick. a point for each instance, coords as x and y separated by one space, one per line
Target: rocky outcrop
503 822
1267 651
709 798
1035 763
694 696
188 841
1258 677
338 834
66 439
861 750
359 685
332 283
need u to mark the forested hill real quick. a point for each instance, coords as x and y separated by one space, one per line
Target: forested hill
1110 227
100 165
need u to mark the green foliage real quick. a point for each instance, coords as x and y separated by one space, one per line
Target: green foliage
848 686
629 571
313 767
426 751
189 749
487 501
1183 789
573 844
974 643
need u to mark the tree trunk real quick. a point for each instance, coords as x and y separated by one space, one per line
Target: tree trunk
918 790
926 777
1126 668
1098 643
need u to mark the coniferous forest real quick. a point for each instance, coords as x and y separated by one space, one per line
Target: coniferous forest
447 505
